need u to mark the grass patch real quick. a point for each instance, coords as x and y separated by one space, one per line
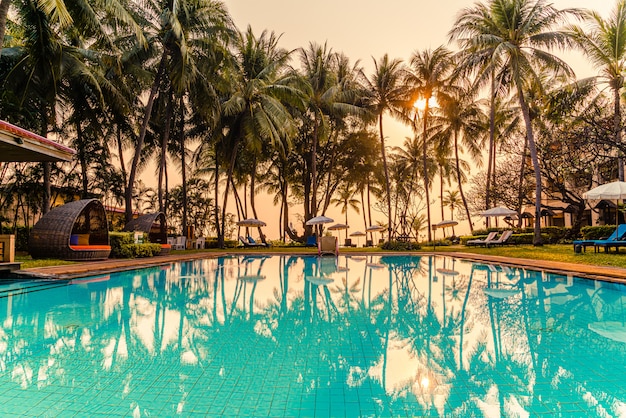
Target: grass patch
563 253
29 263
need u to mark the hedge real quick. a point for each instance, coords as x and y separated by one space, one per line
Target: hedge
597 232
516 239
123 246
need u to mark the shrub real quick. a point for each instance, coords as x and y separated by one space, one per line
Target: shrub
400 246
123 246
597 232
211 242
21 236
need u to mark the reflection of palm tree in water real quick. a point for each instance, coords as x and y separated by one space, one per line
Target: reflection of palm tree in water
243 280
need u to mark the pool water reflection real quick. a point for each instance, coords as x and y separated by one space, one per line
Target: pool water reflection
308 336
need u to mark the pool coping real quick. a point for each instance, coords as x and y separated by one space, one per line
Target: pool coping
90 268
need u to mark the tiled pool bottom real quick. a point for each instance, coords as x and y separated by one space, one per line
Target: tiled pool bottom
301 336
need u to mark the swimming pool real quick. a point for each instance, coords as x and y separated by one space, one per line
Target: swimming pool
286 336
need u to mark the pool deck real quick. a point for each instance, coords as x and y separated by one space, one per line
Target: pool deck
69 271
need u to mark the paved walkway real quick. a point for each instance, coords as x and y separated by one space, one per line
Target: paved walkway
614 274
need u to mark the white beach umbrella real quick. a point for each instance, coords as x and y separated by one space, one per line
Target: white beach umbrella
445 224
375 228
338 227
319 220
611 191
357 234
251 223
615 190
497 212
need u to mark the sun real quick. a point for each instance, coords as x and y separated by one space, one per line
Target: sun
420 104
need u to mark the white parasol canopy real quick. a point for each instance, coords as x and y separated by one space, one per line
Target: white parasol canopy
613 191
251 223
498 211
319 220
357 234
338 227
445 224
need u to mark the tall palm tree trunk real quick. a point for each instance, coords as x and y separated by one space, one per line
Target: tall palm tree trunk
142 135
120 152
492 139
425 168
383 153
83 159
183 163
313 206
229 179
220 236
165 138
458 179
617 121
533 155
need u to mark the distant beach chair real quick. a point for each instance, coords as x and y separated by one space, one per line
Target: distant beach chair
246 242
180 243
502 240
199 244
490 237
612 240
311 241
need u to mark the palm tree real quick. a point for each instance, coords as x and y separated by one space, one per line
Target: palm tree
427 79
330 95
52 68
257 110
462 125
518 34
603 41
346 200
175 34
387 94
452 200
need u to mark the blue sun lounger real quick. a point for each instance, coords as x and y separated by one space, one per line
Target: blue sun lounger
616 239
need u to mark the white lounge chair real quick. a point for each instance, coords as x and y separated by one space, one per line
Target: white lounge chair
490 237
503 239
180 243
199 243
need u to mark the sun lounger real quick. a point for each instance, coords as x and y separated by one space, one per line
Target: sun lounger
250 243
502 240
490 237
311 241
618 235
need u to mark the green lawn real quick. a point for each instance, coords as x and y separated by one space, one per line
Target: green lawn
564 253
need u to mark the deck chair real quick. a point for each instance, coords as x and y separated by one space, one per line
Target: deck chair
328 246
490 237
311 241
253 242
618 235
502 240
244 242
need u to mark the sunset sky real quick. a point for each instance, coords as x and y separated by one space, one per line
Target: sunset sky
364 29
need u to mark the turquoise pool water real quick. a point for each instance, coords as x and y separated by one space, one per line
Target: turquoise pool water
287 336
